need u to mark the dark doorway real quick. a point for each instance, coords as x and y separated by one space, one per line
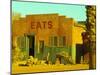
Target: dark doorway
79 53
31 45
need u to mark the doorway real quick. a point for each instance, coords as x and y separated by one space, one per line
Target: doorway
79 53
31 45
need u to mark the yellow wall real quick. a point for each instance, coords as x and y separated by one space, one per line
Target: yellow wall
77 30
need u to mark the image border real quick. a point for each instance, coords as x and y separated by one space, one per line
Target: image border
46 3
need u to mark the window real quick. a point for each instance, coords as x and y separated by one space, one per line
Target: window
21 42
53 41
62 41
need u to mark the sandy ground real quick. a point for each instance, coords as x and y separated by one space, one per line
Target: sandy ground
47 68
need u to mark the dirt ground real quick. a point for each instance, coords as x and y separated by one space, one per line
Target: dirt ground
47 68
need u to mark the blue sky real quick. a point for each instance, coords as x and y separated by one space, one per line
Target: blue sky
78 12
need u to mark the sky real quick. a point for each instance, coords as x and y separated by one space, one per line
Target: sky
78 12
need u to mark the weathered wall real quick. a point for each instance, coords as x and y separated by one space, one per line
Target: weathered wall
44 26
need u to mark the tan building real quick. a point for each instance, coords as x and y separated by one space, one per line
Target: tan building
41 35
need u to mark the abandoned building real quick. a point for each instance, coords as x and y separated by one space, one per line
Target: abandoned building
46 35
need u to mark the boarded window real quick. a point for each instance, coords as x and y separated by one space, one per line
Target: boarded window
22 43
62 41
53 41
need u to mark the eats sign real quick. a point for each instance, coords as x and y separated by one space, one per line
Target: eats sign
41 24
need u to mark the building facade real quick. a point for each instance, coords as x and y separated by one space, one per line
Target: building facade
46 35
